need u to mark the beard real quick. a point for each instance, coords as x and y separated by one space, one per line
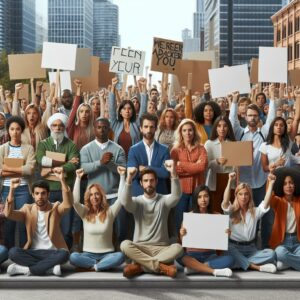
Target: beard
149 190
148 136
57 136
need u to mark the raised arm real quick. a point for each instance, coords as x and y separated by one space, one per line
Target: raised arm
80 208
115 208
112 104
126 197
16 109
233 116
268 196
226 198
297 115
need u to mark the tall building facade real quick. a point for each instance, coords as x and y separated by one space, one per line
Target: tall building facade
71 22
199 24
3 24
41 27
236 28
286 24
106 28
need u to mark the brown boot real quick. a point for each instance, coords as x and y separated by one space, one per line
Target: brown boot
132 270
169 270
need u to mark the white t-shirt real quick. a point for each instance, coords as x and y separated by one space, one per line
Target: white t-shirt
290 220
41 240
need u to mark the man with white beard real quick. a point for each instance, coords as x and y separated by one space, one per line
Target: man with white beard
58 142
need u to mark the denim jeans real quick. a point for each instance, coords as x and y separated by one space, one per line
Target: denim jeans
244 255
66 220
21 197
184 205
211 258
3 254
289 252
101 261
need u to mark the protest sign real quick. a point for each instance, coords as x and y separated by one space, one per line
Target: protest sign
83 63
105 76
294 77
65 80
254 70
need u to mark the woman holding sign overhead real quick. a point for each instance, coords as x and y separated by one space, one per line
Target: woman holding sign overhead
203 260
243 220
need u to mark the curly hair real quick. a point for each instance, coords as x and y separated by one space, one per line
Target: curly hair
199 110
281 174
103 206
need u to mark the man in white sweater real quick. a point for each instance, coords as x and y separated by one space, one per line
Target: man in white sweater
150 248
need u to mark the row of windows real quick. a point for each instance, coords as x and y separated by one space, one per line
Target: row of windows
294 49
288 30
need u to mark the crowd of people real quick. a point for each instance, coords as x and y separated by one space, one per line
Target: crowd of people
103 179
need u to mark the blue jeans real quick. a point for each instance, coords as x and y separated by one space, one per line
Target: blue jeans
267 220
184 205
289 252
3 254
244 255
21 197
101 261
66 220
210 258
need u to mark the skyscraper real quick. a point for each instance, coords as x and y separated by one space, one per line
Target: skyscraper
199 23
71 22
3 24
106 28
236 28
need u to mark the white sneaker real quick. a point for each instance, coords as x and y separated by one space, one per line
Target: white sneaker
268 268
189 271
226 272
54 271
281 266
15 269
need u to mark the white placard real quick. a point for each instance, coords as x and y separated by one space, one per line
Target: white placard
83 63
224 81
59 56
127 61
272 65
205 231
65 80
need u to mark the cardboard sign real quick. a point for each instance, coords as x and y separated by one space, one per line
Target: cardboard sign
127 61
165 55
14 162
83 63
105 76
209 55
25 66
272 66
46 172
294 77
65 80
59 56
254 70
199 70
205 231
24 92
237 153
90 83
224 81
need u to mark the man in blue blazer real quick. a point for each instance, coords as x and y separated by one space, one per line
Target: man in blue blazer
149 153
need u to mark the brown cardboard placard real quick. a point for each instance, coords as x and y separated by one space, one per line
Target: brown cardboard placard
294 77
254 70
56 156
24 92
90 83
237 153
25 66
165 55
105 76
198 69
14 162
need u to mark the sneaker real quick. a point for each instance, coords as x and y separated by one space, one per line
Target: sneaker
54 271
189 271
15 269
281 266
268 268
169 270
226 272
132 270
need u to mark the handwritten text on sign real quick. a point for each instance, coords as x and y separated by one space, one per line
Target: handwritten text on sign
128 61
164 55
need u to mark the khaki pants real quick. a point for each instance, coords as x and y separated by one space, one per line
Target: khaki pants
150 256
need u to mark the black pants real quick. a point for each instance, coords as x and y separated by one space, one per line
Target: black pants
38 261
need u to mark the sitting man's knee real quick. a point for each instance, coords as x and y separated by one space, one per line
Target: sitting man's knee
125 244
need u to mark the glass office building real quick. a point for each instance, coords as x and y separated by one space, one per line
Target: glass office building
236 28
106 28
71 21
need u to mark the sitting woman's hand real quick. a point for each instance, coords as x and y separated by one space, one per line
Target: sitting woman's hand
182 231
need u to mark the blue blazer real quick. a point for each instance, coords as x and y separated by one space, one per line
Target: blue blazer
137 156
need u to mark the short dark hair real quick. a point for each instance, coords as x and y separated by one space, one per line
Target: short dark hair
121 106
15 119
101 119
149 117
253 106
41 184
147 171
199 110
68 92
261 94
153 89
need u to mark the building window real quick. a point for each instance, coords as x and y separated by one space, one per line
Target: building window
290 28
284 31
290 52
278 35
297 50
297 23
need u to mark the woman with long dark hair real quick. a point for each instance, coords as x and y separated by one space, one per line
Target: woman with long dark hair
203 260
217 175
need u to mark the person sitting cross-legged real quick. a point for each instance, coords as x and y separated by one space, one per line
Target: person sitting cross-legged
150 248
45 249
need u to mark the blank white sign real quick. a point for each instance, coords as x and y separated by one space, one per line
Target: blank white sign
272 65
205 231
59 56
224 81
65 80
127 61
83 63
